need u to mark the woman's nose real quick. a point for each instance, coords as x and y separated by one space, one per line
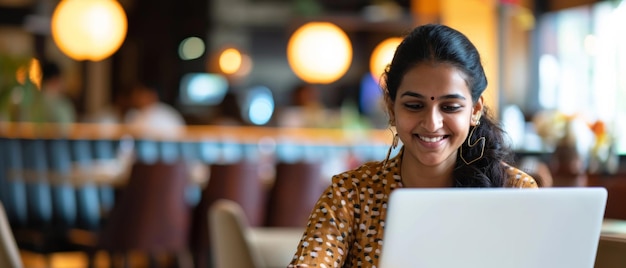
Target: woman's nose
433 120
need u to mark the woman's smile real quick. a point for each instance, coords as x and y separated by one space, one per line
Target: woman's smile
431 139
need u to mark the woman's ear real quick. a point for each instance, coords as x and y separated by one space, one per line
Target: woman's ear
477 111
392 117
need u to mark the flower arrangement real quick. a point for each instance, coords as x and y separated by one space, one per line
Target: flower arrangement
592 140
603 155
557 128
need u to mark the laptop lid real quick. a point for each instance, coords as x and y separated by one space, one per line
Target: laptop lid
493 228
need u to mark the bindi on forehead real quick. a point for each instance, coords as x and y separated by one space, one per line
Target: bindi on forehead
432 98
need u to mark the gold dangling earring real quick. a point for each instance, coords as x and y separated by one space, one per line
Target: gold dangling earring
472 145
393 146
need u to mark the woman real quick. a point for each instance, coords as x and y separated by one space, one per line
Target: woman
433 94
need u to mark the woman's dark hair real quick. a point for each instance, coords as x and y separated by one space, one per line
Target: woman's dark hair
440 43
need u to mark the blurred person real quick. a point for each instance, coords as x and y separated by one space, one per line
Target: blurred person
111 113
56 106
305 109
433 93
149 115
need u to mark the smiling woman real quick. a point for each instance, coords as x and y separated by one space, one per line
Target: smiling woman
432 130
433 93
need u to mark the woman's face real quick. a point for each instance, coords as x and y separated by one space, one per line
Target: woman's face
433 111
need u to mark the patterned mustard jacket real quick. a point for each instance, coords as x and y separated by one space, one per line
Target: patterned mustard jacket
345 228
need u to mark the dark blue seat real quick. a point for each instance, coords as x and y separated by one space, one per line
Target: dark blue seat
51 198
147 151
105 149
169 151
87 196
209 151
13 187
190 150
38 191
61 186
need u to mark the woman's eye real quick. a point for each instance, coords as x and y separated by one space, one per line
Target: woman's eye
413 106
451 108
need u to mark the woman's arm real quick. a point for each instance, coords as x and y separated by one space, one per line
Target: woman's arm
328 235
518 179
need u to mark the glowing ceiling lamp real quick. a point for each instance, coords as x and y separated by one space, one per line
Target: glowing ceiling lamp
319 52
233 63
382 56
230 60
89 29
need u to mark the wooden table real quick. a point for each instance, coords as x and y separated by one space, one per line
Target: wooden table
612 246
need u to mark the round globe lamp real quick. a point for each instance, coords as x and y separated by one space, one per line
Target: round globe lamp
89 29
382 56
319 52
230 61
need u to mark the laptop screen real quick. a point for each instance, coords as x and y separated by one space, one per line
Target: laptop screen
496 227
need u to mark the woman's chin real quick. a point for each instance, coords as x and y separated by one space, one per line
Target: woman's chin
430 161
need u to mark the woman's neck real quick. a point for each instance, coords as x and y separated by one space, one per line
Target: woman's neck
415 174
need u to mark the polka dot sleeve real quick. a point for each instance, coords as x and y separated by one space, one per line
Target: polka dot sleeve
329 229
519 179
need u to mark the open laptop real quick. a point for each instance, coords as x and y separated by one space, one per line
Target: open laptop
493 228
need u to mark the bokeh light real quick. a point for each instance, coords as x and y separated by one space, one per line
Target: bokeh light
230 61
260 105
382 56
203 88
89 29
319 52
32 70
191 48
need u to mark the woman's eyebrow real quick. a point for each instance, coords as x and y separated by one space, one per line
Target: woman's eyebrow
452 96
444 97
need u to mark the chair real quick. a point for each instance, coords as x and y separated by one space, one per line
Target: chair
13 185
234 243
538 169
229 244
152 216
293 195
615 185
239 182
104 150
50 197
9 253
88 206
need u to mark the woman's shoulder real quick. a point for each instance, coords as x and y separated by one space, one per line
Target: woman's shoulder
368 173
363 169
517 178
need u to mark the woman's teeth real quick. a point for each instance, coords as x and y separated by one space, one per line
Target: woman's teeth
433 139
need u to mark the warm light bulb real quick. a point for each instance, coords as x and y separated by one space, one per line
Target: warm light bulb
230 61
89 29
382 56
34 72
319 52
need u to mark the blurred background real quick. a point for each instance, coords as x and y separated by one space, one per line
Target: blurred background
91 91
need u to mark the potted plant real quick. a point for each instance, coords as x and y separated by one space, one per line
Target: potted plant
19 94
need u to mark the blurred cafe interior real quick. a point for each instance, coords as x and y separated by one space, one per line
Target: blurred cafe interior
123 122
